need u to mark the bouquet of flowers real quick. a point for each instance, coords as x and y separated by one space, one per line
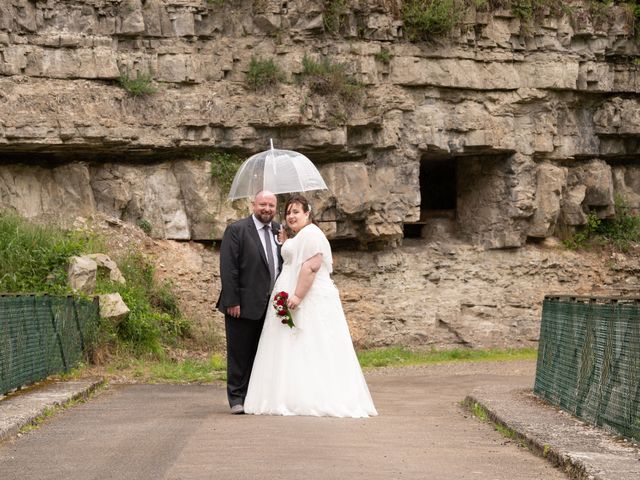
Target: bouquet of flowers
282 311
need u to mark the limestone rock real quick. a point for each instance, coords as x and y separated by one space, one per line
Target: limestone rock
493 98
82 274
104 261
113 308
572 210
626 181
44 192
597 178
550 181
148 193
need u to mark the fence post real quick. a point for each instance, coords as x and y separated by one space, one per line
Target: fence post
55 330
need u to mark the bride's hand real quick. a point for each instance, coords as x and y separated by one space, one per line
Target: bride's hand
293 302
282 235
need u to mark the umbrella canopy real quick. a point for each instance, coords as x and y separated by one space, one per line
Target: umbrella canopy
279 171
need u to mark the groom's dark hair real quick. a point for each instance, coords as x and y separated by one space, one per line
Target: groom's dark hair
302 200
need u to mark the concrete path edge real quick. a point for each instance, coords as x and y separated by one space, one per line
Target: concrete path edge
25 406
581 450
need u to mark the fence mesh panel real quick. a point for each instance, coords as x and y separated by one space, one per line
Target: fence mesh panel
589 360
41 335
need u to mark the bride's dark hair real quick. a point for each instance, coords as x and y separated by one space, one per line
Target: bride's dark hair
301 200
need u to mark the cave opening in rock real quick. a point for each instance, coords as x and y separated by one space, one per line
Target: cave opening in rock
438 198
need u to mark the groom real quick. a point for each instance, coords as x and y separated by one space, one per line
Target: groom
249 264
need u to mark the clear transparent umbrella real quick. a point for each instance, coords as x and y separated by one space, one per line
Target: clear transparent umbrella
279 171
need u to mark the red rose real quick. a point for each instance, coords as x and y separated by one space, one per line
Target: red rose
280 306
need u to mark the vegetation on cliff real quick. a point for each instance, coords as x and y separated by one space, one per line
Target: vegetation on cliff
34 259
424 19
139 86
619 231
263 74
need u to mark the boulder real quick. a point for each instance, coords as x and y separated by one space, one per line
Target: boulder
113 308
104 261
82 274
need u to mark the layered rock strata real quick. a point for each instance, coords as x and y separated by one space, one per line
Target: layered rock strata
506 131
500 134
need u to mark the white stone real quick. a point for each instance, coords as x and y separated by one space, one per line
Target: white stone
82 274
113 308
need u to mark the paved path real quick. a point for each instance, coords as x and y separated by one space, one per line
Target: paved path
185 432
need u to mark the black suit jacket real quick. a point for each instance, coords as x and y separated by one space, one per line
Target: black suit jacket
244 270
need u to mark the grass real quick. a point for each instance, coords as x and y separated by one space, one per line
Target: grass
223 168
619 232
402 356
154 320
328 78
428 18
34 258
383 56
139 86
126 367
334 13
263 74
145 226
483 415
164 370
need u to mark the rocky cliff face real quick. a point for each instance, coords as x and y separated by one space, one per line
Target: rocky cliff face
498 133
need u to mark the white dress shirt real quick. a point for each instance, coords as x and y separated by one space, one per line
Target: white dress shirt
274 247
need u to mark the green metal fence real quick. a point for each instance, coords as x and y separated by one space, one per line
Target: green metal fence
41 335
589 360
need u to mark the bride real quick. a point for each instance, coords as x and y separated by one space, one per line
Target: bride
311 368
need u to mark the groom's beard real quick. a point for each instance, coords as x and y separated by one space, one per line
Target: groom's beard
265 217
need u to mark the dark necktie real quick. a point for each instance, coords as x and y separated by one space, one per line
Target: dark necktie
272 263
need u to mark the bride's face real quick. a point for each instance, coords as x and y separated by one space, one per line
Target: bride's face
296 217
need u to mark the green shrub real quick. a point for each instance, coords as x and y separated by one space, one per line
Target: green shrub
619 231
383 56
163 298
326 78
334 13
223 167
154 318
139 86
587 232
263 74
623 229
34 258
429 18
145 226
523 9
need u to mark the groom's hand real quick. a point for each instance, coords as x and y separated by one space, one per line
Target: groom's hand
234 311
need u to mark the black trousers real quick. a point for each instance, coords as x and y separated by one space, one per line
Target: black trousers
242 343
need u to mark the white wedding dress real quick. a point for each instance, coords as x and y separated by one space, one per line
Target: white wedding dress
312 368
